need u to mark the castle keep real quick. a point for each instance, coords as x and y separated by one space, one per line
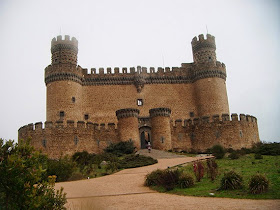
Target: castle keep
178 108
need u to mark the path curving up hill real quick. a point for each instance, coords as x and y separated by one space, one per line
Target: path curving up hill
125 190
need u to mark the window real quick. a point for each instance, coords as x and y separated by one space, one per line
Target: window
86 116
241 134
191 114
139 102
73 99
44 143
61 114
76 140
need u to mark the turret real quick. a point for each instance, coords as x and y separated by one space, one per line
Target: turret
64 51
64 81
128 125
210 86
161 131
204 50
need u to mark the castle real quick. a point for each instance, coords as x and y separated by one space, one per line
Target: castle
178 108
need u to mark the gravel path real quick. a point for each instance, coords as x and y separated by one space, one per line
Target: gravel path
125 190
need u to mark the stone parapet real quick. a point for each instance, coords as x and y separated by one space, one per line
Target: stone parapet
125 113
164 112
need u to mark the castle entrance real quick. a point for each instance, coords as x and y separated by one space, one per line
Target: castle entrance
145 136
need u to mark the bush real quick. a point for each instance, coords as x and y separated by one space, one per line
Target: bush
62 168
267 148
231 181
124 147
185 181
258 156
234 155
258 184
83 158
169 179
218 151
198 169
133 161
152 179
76 176
212 169
21 185
230 150
245 150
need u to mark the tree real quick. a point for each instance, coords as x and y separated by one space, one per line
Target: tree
21 183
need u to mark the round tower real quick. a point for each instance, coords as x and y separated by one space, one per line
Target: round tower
64 51
64 81
204 50
128 125
209 78
161 131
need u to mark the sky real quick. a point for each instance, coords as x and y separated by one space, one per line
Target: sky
149 33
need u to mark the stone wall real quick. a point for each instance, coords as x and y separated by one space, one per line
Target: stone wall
202 133
58 139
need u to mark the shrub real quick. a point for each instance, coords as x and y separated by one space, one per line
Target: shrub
218 151
62 168
234 155
133 161
21 185
231 181
212 169
198 169
169 179
152 179
83 158
230 150
124 147
185 181
246 150
258 184
112 166
267 148
76 176
258 156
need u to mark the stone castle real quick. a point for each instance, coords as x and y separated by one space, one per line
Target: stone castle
179 108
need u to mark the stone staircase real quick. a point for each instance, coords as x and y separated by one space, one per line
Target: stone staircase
158 154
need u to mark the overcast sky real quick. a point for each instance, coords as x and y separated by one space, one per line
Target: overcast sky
150 33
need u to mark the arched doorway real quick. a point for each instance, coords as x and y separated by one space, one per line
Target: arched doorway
145 136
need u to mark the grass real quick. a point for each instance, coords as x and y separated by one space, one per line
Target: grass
246 166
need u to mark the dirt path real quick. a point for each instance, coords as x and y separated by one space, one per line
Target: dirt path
125 190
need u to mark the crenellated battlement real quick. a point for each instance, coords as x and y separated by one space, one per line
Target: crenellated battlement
58 40
201 42
187 73
69 124
216 119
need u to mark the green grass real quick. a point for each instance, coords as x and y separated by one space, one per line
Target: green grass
246 166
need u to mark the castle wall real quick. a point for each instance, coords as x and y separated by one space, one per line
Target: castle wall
57 139
201 134
101 102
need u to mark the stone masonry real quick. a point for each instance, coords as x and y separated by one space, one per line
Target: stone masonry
178 108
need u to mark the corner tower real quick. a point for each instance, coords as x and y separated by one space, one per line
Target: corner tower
64 81
204 50
64 51
209 78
